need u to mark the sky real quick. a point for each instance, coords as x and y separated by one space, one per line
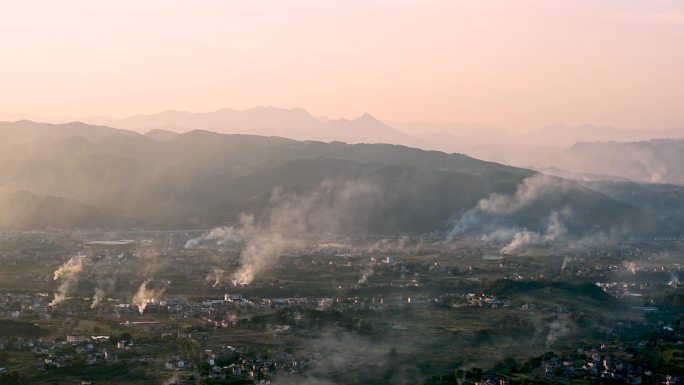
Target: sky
517 64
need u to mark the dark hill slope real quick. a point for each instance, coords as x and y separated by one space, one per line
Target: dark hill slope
202 179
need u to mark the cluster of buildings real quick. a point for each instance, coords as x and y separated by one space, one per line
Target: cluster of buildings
597 365
479 300
76 348
15 304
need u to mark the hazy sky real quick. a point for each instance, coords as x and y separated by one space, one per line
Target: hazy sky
519 64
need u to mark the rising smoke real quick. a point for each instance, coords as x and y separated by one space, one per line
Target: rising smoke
220 236
564 265
674 280
630 266
486 217
69 274
97 297
292 221
145 295
366 272
341 354
557 329
215 277
555 231
98 272
529 190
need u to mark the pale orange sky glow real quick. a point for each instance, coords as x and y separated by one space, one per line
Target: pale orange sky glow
517 64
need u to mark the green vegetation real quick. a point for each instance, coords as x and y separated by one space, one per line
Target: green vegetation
10 328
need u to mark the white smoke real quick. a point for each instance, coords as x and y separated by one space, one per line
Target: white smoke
486 215
219 235
366 273
528 191
343 353
215 278
264 247
68 273
104 283
557 329
144 296
566 260
631 266
389 244
291 222
674 280
97 297
521 239
554 231
499 235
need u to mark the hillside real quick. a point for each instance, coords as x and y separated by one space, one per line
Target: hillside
25 210
662 201
115 178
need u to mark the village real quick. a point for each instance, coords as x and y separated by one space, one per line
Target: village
194 326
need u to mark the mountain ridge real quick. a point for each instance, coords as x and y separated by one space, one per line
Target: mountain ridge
201 179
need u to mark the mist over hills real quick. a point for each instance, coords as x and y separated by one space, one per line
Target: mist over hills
580 152
25 210
567 148
659 161
654 161
650 161
109 177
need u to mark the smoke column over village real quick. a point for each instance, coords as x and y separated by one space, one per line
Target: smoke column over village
555 231
488 216
291 221
68 273
144 295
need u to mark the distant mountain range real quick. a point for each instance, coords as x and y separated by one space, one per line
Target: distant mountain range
569 151
295 124
77 175
566 148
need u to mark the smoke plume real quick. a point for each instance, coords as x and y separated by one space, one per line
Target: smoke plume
343 354
215 277
367 272
528 191
554 231
630 266
496 218
144 296
557 329
68 273
291 222
219 235
97 297
566 260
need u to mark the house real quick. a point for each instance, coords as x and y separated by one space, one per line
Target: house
491 380
174 363
77 338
